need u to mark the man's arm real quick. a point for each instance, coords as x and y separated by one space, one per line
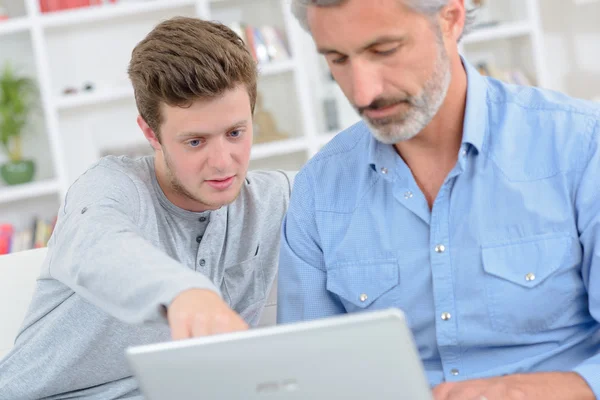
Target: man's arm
302 292
587 203
99 251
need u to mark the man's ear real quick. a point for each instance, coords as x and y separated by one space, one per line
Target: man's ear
149 133
452 19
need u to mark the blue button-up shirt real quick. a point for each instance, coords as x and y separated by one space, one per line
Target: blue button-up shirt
500 276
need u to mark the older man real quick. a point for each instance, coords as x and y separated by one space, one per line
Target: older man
472 205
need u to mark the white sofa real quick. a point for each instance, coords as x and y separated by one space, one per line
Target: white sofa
18 275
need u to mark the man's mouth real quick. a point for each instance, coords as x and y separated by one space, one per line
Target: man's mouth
220 183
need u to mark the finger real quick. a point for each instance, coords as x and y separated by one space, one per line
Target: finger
440 392
240 324
222 324
200 325
179 326
465 393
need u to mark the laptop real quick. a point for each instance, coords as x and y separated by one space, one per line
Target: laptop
362 356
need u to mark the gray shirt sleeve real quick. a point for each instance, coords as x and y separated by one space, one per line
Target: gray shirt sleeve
99 250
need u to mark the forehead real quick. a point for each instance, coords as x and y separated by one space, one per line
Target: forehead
209 115
356 22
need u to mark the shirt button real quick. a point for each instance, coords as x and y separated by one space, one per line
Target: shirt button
202 219
454 372
408 195
384 170
199 238
464 152
364 297
202 263
530 277
446 316
440 248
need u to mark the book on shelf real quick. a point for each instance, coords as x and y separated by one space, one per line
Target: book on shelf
266 43
47 6
513 75
34 237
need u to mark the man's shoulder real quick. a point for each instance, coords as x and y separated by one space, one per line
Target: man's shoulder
535 133
339 174
271 181
555 110
112 177
265 190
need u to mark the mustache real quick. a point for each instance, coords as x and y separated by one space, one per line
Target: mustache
383 103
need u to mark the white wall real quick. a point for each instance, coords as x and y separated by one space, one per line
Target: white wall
572 44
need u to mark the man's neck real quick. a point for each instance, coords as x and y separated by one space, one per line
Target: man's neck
433 153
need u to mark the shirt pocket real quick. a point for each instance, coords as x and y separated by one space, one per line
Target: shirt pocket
529 284
243 288
363 286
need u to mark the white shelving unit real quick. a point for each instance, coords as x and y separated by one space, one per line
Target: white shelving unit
29 190
515 40
68 49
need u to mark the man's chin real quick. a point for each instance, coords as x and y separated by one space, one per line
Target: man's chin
221 198
391 134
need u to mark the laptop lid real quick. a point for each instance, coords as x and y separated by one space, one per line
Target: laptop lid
357 356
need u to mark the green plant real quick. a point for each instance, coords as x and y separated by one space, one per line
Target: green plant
17 95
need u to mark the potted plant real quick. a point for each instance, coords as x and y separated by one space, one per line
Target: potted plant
17 95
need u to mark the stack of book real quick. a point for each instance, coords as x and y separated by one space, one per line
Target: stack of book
37 236
47 6
266 43
513 76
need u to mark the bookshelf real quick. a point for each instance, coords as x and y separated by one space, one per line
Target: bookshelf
65 50
508 36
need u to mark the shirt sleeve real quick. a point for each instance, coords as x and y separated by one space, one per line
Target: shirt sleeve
99 251
302 291
587 203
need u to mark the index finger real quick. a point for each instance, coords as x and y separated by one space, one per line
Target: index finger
180 328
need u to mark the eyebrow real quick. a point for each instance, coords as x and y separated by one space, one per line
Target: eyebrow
378 41
237 125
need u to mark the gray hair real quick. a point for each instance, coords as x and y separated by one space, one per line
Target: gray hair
429 8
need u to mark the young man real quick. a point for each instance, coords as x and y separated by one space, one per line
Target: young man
472 205
185 237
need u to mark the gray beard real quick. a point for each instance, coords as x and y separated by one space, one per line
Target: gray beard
423 108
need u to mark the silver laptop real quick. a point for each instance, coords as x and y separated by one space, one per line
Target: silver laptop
359 356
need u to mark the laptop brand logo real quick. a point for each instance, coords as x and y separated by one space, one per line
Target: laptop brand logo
287 385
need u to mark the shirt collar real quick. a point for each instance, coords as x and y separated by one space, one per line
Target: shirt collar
476 112
474 126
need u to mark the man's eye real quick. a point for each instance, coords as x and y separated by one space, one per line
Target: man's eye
385 52
194 143
235 134
339 60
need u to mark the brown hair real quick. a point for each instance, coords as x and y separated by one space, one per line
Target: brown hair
187 59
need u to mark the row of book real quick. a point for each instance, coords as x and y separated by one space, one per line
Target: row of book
47 6
266 43
513 76
37 236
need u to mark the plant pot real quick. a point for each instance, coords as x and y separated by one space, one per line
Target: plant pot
17 172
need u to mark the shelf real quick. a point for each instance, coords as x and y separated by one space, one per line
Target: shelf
97 97
502 31
275 68
104 12
14 25
277 148
26 191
